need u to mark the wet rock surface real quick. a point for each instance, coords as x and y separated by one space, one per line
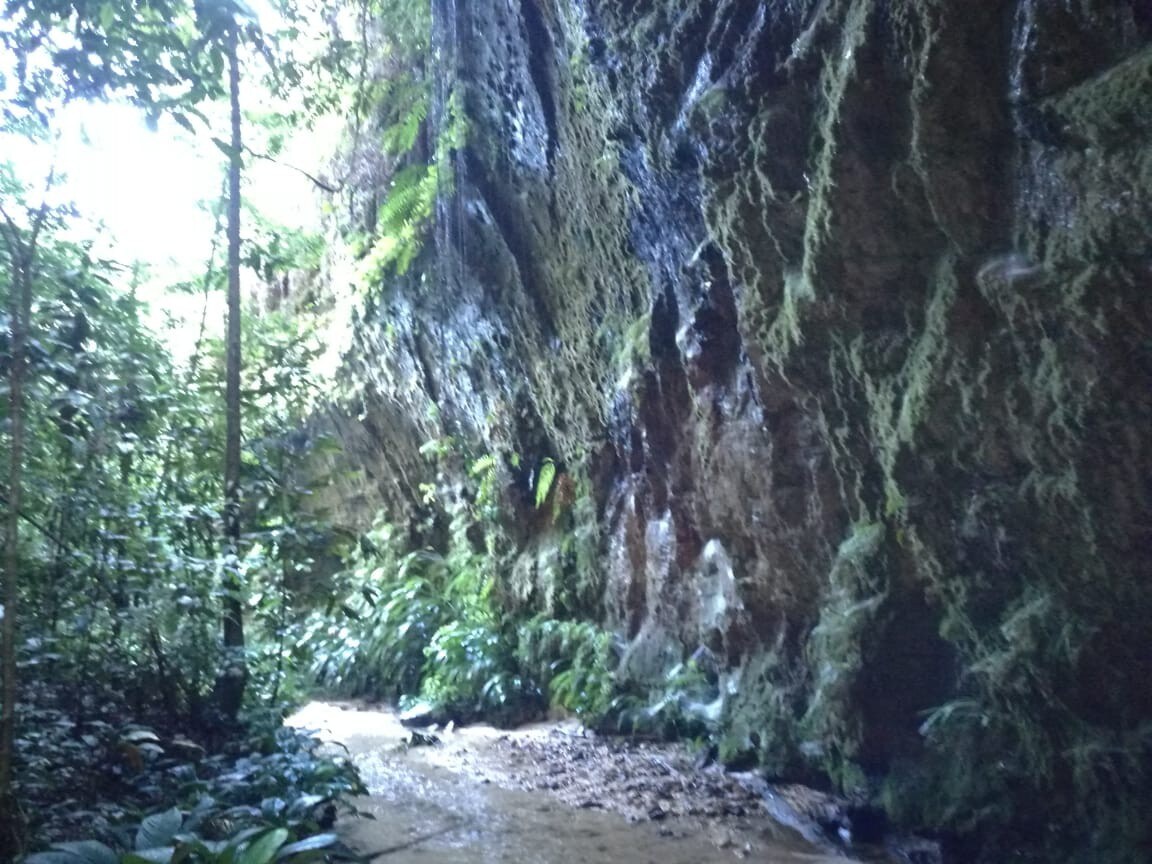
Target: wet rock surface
834 317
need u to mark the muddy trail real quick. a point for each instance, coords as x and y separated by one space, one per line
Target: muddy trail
551 794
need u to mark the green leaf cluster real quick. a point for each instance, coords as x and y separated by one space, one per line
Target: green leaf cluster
426 627
272 805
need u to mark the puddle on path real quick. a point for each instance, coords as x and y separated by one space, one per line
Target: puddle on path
459 801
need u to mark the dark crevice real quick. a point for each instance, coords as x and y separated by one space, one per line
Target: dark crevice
541 59
509 226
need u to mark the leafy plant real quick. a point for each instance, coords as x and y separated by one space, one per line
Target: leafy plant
379 648
574 660
402 221
270 795
404 218
544 480
428 627
472 672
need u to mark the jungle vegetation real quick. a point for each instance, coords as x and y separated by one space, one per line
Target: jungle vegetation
171 587
162 555
155 536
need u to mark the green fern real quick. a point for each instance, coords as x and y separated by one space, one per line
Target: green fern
544 481
410 198
483 467
401 135
484 470
574 660
408 211
402 222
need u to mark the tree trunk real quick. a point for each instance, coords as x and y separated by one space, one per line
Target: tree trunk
230 687
12 527
21 257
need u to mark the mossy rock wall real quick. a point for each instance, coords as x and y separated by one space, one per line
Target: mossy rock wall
835 316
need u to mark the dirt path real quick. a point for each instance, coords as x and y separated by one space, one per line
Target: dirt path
546 795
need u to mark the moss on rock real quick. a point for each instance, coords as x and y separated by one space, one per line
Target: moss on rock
855 292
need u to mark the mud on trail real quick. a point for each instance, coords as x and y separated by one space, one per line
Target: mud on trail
550 794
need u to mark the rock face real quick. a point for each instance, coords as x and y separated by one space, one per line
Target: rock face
834 317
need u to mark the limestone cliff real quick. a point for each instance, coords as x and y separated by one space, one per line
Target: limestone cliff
834 316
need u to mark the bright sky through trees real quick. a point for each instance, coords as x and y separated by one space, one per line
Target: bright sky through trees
152 190
147 195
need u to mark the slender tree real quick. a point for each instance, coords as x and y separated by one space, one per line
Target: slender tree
21 246
230 688
168 57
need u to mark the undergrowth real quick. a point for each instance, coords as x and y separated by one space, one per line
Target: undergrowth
423 627
267 794
427 630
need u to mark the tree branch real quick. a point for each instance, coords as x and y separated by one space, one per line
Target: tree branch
24 253
408 844
47 532
11 235
40 218
320 184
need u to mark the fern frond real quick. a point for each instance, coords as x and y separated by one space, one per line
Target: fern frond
484 466
407 199
400 136
544 481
